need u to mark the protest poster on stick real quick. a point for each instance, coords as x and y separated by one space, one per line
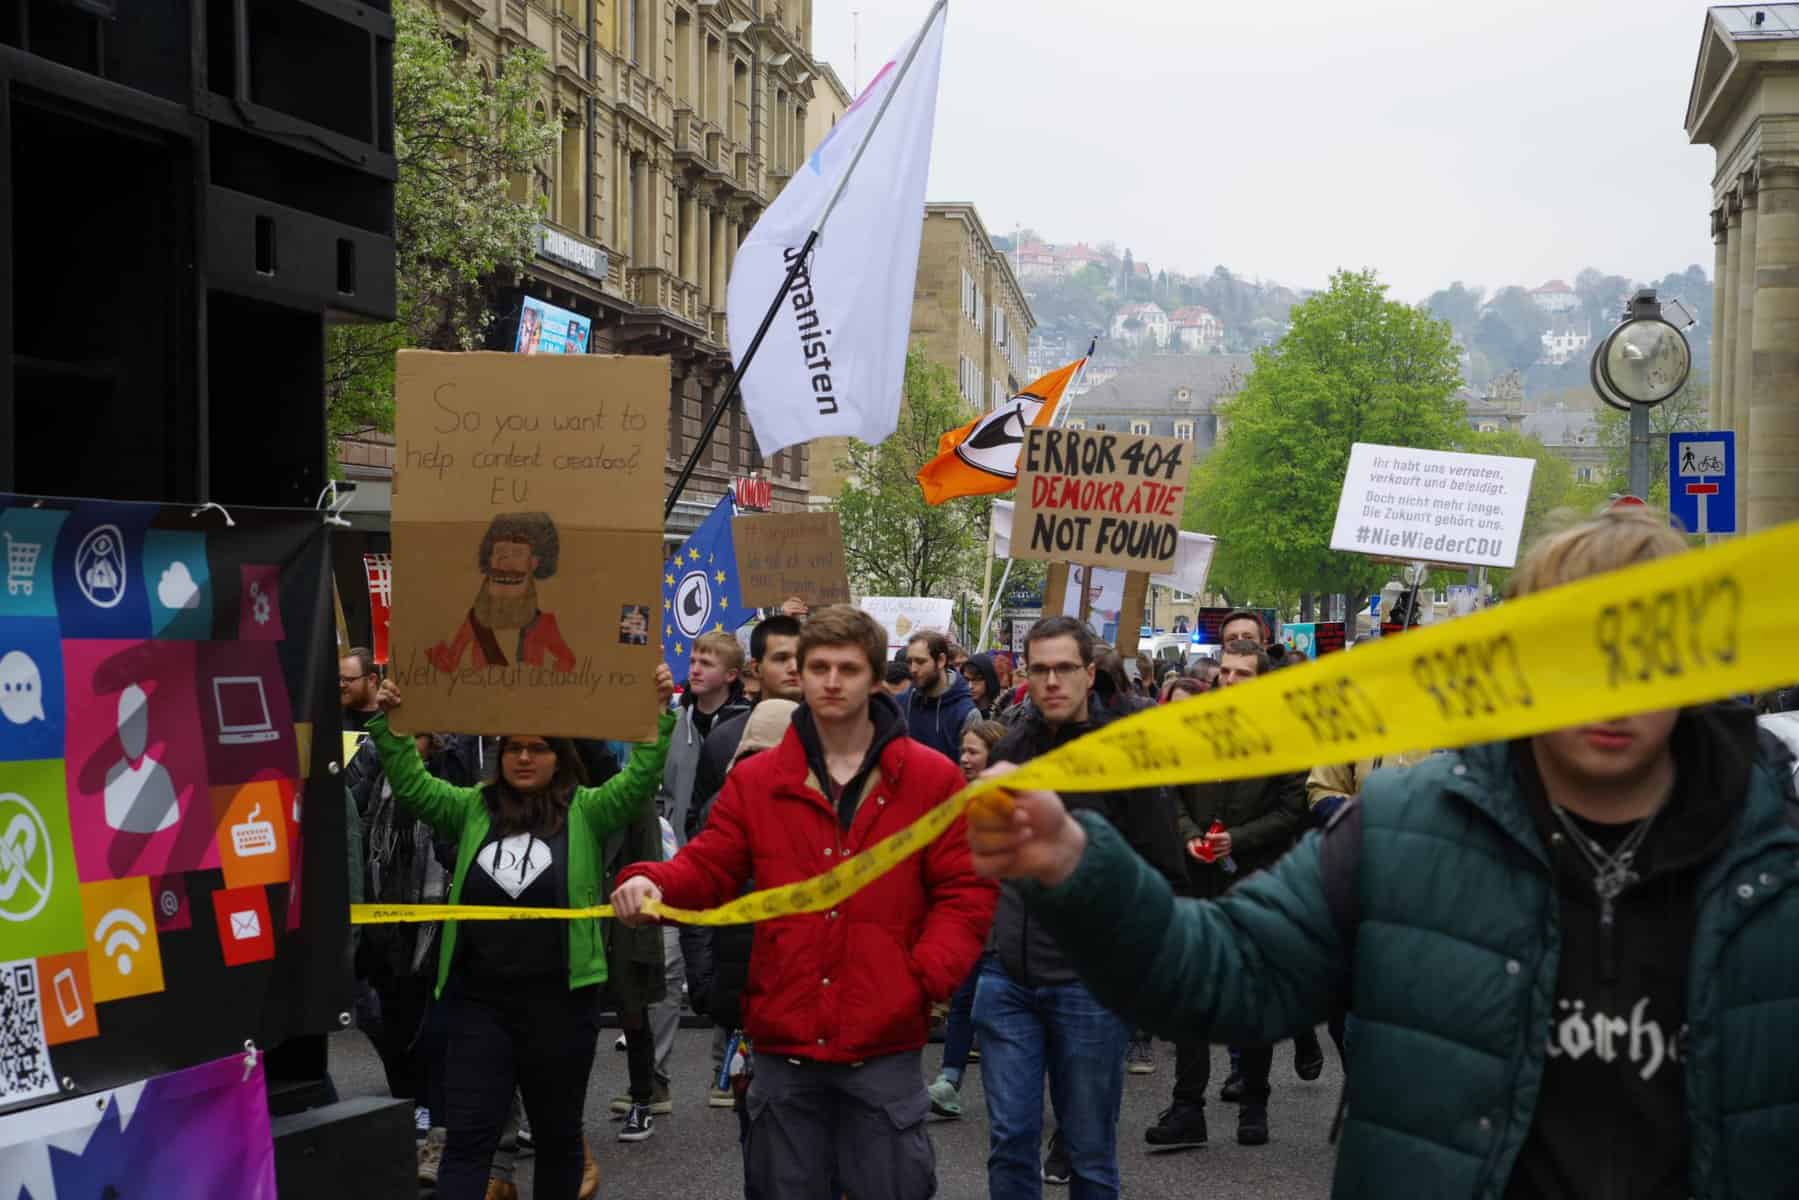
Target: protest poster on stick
1433 506
903 616
528 542
1101 498
791 554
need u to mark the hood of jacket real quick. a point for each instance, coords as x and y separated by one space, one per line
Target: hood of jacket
937 720
888 726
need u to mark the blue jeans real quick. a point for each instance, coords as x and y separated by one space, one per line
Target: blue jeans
958 1027
1062 1030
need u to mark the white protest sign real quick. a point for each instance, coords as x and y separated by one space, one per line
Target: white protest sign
903 616
1433 505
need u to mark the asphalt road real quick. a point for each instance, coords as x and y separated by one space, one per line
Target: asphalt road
693 1154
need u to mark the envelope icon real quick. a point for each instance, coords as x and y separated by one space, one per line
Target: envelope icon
246 925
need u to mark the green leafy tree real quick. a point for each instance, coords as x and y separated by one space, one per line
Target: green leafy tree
1457 304
894 543
1354 367
1556 497
460 140
1510 330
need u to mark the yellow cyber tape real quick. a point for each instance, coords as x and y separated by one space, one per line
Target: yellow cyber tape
1681 631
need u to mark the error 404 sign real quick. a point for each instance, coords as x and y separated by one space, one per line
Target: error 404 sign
1101 498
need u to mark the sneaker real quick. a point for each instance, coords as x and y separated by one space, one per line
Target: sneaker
1140 1059
431 1156
974 1052
1252 1125
1308 1056
501 1189
717 1097
639 1124
1180 1127
1056 1167
660 1104
946 1100
526 1144
1232 1091
620 1044
421 1122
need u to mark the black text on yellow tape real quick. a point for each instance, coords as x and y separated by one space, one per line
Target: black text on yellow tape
1681 631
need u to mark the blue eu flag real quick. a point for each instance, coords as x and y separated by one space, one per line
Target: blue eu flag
699 589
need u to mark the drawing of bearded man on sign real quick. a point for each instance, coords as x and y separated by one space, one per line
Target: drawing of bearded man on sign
517 551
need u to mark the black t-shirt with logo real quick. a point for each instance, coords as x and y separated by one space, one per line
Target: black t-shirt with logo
1611 1121
525 871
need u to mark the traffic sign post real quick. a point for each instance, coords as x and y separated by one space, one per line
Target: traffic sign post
1702 481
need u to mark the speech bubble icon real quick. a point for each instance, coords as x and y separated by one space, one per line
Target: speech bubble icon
21 688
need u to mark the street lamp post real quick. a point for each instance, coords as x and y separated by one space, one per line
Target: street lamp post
1641 363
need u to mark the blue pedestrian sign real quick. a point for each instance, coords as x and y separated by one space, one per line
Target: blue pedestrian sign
1702 481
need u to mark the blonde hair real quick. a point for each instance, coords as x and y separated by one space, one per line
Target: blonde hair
723 646
1614 539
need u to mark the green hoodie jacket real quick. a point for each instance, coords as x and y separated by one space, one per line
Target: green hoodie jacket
1448 947
461 813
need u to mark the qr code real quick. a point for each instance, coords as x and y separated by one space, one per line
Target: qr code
24 1057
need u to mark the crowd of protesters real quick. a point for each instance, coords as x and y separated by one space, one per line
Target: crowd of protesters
1558 967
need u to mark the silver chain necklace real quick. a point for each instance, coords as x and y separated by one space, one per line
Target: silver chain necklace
1613 870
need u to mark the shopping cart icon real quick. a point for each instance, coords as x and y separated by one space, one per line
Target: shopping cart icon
21 565
253 837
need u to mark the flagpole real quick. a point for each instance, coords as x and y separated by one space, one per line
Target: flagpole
717 415
1055 421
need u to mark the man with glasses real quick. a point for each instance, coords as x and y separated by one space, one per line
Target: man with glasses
356 684
1032 1013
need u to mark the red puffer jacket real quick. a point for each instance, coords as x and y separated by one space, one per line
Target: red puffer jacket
856 982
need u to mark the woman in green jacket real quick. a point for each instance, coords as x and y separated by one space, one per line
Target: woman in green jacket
521 998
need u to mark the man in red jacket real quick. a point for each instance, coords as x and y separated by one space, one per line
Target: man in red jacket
838 1002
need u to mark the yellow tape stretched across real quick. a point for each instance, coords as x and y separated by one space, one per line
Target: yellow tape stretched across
1697 627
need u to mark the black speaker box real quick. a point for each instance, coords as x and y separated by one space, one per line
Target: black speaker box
358 1149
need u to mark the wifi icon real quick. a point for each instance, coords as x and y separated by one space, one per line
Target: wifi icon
124 954
116 937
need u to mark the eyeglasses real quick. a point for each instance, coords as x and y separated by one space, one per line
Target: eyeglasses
1063 671
350 678
527 749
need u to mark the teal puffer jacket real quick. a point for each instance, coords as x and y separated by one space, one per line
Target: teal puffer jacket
1449 950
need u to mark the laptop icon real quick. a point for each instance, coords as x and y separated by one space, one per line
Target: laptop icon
243 710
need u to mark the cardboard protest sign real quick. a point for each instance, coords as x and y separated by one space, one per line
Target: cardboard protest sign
791 554
1434 506
1101 498
528 542
903 616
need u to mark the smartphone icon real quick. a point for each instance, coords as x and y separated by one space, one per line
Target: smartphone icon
68 998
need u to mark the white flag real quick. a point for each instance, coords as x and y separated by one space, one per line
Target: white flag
834 361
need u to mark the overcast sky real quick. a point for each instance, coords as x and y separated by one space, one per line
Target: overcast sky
1509 141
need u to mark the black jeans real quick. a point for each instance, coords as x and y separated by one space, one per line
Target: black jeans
1193 1072
533 1034
396 1036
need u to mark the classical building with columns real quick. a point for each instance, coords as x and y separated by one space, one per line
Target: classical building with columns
1745 104
680 121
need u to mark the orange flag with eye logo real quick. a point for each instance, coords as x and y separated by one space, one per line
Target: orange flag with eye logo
981 457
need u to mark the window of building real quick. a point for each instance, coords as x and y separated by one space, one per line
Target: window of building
1584 474
999 326
1488 427
1139 426
709 83
980 309
967 293
1183 430
572 166
633 223
1075 423
634 28
740 102
684 56
999 393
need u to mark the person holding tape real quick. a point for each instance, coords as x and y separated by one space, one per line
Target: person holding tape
1570 956
521 998
838 1002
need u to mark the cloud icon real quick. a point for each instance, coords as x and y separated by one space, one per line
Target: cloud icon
21 688
177 588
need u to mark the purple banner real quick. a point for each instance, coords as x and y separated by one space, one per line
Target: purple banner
202 1133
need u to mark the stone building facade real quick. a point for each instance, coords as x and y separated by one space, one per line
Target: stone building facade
680 122
1745 104
1168 395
